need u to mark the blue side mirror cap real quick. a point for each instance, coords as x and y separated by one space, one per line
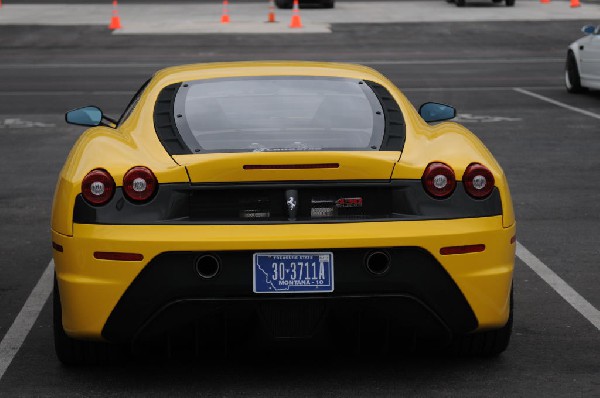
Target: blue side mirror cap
588 29
434 112
87 116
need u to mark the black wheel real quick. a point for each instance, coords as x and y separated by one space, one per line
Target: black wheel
485 344
510 3
328 3
287 4
497 1
460 3
449 1
78 352
572 78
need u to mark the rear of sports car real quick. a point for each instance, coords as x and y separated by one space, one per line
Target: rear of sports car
270 206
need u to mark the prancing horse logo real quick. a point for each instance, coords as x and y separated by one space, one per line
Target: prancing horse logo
291 199
291 203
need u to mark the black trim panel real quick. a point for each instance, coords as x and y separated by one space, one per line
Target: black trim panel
170 280
188 204
164 122
395 128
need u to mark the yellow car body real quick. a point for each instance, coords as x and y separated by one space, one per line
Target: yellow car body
91 288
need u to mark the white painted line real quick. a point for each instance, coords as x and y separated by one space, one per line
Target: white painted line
84 65
560 286
164 18
410 89
16 335
557 103
465 61
45 93
14 338
376 62
436 89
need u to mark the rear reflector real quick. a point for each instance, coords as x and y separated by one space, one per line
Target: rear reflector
462 249
291 166
57 247
116 256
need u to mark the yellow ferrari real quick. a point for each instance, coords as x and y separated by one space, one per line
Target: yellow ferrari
279 203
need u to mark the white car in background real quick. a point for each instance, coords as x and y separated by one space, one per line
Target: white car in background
582 70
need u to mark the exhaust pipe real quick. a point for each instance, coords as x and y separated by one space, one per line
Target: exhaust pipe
208 266
378 262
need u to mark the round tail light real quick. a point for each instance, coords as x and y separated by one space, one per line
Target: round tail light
98 187
439 180
139 184
478 181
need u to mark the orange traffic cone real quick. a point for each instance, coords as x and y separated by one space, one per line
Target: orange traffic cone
575 3
225 15
271 17
296 21
115 22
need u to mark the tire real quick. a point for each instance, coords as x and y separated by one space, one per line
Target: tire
78 352
285 4
572 78
510 3
460 3
490 343
328 3
497 1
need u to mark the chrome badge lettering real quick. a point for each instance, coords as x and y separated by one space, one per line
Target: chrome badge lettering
349 202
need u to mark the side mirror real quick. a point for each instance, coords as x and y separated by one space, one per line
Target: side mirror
588 29
86 116
434 112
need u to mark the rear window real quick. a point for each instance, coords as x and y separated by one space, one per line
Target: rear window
278 114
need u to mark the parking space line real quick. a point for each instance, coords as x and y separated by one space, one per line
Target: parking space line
496 88
45 93
461 61
15 336
125 92
557 103
561 287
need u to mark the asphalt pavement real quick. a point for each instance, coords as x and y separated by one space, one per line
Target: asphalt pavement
505 78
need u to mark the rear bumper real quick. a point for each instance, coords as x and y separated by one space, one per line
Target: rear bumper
168 293
91 290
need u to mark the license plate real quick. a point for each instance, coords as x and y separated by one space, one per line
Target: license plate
293 272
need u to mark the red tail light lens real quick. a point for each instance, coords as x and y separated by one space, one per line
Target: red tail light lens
98 187
439 180
139 184
478 181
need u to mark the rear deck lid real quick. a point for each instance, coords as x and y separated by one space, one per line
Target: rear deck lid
289 166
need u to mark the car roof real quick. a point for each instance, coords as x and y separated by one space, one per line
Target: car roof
191 72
